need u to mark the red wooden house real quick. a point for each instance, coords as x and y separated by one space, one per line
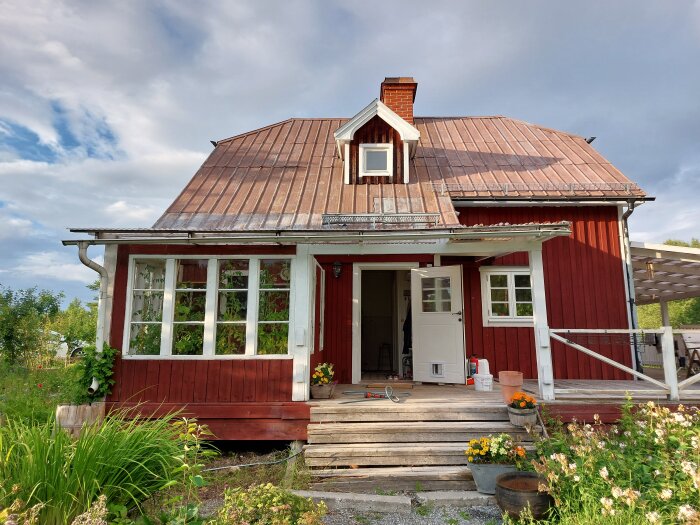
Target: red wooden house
386 244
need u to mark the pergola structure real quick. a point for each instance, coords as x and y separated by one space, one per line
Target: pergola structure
664 273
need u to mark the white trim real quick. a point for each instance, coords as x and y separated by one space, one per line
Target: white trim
209 342
543 347
406 163
512 320
300 313
346 164
388 148
357 308
628 277
320 285
346 132
110 264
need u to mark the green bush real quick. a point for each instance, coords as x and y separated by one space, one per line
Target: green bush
268 505
643 470
127 461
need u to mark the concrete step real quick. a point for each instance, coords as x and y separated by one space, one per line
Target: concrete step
412 432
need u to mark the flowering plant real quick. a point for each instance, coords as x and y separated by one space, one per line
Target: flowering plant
521 400
323 374
494 449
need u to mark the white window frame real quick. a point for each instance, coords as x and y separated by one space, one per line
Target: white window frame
512 320
322 306
209 346
388 148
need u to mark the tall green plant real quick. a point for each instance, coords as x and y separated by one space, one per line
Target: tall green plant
97 365
127 461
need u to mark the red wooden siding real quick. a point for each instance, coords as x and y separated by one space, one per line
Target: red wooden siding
584 283
247 399
376 131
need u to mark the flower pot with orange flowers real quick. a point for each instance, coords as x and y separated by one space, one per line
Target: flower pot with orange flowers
489 457
322 385
522 410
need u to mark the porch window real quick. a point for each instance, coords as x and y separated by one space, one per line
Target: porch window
208 306
376 160
506 296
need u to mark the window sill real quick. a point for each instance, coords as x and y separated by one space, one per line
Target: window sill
204 357
509 323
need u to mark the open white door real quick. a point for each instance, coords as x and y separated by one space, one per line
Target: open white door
438 329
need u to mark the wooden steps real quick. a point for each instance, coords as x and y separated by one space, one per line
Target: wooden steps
383 446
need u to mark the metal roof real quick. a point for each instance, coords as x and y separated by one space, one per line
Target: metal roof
287 176
664 273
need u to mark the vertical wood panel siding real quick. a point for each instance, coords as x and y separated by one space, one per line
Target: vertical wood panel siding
376 131
585 289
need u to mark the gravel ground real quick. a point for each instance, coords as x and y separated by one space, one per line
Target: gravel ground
426 515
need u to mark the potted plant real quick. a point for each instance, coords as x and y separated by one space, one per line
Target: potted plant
522 410
489 457
322 385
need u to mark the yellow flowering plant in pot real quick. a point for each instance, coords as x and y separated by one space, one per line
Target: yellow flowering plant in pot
489 457
322 385
522 410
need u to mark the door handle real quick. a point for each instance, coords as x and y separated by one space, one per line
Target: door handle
457 313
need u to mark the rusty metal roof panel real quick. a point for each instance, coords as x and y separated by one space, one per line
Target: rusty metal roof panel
288 175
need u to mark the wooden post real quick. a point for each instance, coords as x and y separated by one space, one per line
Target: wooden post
543 347
302 307
665 317
669 360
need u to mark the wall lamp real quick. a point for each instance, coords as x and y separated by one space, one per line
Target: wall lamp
337 269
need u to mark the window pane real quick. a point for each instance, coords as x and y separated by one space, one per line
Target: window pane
523 294
427 282
188 339
233 306
429 295
445 306
429 306
522 281
499 281
191 273
190 306
147 306
499 294
500 309
444 282
274 306
230 339
145 339
272 338
523 309
274 273
376 160
445 294
149 274
233 273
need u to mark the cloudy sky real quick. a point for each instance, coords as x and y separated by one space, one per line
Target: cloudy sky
107 108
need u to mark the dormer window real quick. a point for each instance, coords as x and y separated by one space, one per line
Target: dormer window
376 160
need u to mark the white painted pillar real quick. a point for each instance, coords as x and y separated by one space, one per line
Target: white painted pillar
669 360
302 313
543 347
110 265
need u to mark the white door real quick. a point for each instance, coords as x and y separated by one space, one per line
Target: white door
438 329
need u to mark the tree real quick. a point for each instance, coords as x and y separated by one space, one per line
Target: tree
682 312
76 324
24 317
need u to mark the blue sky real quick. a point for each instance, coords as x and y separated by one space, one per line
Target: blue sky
107 109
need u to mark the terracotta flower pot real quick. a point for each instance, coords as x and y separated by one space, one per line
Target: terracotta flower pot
322 391
515 491
510 382
485 475
522 417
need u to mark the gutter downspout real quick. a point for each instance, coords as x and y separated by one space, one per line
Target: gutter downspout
104 284
630 284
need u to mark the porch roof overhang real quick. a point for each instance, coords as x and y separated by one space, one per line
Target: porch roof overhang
498 233
664 273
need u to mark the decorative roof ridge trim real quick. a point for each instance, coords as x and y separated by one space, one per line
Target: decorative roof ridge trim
346 132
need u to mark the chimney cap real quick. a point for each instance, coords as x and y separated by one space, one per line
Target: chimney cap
400 83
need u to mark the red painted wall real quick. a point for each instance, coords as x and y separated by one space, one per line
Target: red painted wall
248 399
584 283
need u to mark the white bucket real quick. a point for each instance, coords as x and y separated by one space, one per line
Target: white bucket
483 382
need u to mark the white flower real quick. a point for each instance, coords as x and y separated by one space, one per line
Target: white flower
572 466
688 467
666 494
653 517
576 478
603 473
686 513
616 492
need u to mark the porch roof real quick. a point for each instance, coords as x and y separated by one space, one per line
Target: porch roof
503 232
664 273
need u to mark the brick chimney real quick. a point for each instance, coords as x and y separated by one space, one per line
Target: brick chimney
399 93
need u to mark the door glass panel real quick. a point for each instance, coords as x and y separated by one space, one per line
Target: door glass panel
427 283
436 294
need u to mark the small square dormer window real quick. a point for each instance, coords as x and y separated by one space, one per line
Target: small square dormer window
376 160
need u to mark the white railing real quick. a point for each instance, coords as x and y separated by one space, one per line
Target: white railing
670 385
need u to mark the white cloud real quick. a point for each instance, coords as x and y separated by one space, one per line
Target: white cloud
55 265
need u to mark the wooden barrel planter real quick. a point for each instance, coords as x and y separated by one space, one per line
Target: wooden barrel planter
522 417
515 491
322 391
74 417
